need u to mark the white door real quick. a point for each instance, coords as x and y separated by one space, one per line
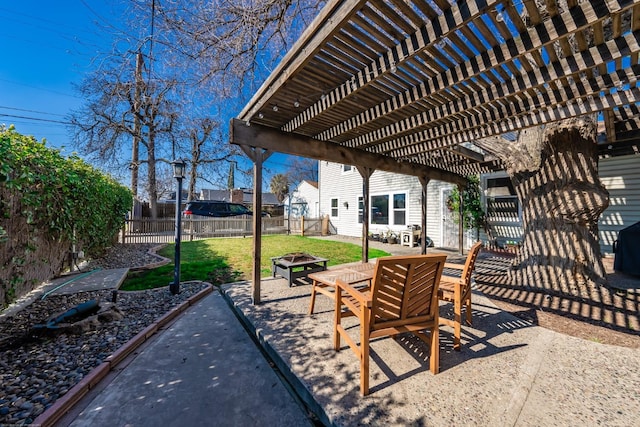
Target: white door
449 236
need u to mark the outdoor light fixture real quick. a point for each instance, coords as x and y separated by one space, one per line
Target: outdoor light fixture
275 107
179 167
394 67
296 103
260 116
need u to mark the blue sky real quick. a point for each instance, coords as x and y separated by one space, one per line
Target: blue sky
46 47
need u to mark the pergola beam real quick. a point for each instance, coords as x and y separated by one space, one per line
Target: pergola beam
267 138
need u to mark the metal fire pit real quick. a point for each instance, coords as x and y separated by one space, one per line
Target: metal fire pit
297 265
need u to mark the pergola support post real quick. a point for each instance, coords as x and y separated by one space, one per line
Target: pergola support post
258 156
461 219
366 174
424 181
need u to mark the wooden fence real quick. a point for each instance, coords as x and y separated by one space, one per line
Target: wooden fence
308 226
147 230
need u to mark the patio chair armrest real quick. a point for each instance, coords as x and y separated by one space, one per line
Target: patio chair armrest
452 279
454 266
361 297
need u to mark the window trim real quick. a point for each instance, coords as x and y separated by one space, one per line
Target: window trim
394 209
332 208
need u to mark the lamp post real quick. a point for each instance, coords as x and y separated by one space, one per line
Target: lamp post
178 173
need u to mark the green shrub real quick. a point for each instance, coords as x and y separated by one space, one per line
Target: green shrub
47 201
64 197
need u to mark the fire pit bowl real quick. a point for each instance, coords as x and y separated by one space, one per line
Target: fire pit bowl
294 266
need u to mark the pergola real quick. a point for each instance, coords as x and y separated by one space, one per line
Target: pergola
407 85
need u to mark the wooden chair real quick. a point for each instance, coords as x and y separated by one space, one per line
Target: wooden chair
403 297
457 290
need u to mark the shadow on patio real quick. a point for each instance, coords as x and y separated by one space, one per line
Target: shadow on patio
508 369
616 307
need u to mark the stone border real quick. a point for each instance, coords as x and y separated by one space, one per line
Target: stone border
65 403
152 251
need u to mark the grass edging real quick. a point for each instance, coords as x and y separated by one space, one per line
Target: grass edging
64 404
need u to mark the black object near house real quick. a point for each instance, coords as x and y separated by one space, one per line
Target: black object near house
627 250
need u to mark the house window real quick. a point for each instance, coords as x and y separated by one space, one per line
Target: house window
502 202
334 208
360 209
346 168
399 209
380 210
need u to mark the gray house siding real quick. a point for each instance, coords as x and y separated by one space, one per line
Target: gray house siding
621 177
346 188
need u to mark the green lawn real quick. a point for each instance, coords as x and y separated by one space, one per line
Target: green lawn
223 260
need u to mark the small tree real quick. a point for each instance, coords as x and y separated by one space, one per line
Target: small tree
280 186
473 216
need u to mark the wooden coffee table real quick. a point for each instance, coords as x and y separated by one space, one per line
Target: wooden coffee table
325 281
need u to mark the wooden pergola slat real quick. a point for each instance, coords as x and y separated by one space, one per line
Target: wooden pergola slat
407 86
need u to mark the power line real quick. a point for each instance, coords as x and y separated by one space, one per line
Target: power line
35 118
31 111
40 88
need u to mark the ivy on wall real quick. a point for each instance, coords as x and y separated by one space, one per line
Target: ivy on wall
52 198
473 215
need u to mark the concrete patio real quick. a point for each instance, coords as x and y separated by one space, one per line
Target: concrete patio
509 372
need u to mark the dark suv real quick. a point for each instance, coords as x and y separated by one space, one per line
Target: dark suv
216 209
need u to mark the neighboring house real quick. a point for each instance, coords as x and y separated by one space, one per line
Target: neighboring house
172 196
395 203
304 201
220 195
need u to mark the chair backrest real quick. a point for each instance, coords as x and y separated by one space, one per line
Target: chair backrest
470 263
404 290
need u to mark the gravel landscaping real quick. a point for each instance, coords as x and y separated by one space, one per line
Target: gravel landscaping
36 368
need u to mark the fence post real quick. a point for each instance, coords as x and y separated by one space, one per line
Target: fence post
123 231
302 225
325 225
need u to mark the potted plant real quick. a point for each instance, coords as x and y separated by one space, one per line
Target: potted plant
391 237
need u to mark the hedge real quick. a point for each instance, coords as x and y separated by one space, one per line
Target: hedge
56 198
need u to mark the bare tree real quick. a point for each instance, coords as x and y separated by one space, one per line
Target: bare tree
199 59
302 169
209 151
105 125
234 43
